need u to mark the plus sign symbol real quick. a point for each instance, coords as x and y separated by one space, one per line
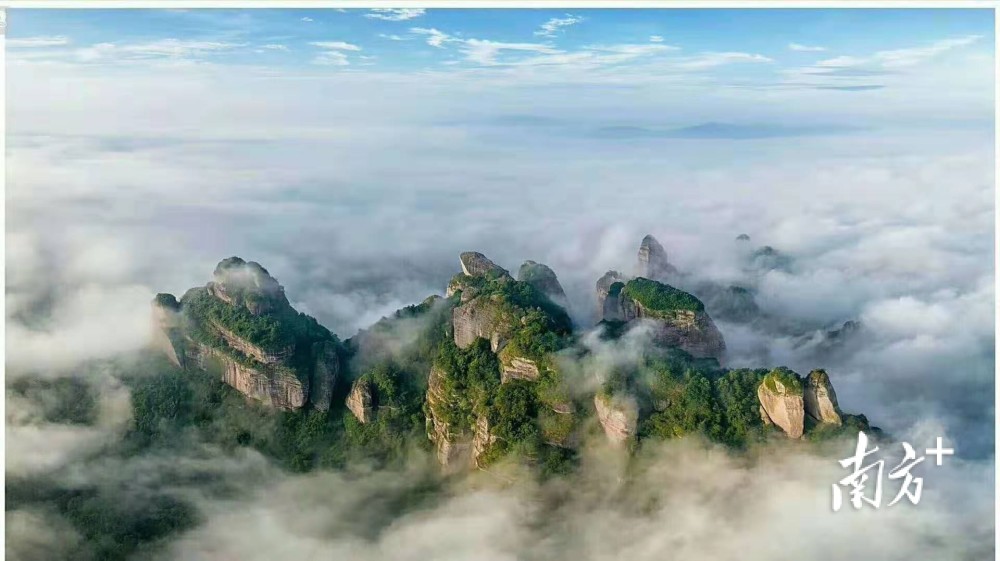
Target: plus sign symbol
939 451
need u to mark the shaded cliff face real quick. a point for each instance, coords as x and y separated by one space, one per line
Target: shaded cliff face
241 327
608 289
652 262
544 279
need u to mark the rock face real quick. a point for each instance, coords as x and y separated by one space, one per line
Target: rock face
167 328
360 400
516 367
820 400
653 262
476 264
544 279
482 439
247 284
452 448
608 307
273 385
780 395
618 416
326 371
241 327
477 318
679 318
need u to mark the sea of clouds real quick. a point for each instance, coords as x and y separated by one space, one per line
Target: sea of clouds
138 184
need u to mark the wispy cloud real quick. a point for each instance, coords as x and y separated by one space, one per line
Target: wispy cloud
554 25
175 49
334 53
395 14
307 19
274 47
805 48
896 58
435 38
486 52
336 45
392 37
38 42
655 38
711 60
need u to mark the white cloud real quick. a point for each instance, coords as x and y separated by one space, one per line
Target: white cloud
333 53
655 38
335 45
912 56
435 38
38 42
554 25
711 60
897 58
395 14
805 48
174 49
486 52
274 47
392 37
307 19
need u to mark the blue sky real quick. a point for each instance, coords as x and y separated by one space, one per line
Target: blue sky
835 69
769 40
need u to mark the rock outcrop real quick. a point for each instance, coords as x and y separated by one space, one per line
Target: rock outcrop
679 318
479 317
360 400
618 416
820 400
241 327
516 367
780 395
653 263
608 288
248 284
544 279
476 264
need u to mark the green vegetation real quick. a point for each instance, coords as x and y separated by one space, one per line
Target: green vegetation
616 288
274 331
789 379
472 376
167 301
658 297
64 400
398 419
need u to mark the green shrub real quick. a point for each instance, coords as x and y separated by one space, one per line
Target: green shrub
659 297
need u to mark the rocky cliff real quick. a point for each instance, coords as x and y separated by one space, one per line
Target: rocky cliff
495 369
780 395
819 399
241 327
653 262
618 416
679 319
544 279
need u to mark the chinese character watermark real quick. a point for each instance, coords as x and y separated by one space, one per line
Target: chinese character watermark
862 475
